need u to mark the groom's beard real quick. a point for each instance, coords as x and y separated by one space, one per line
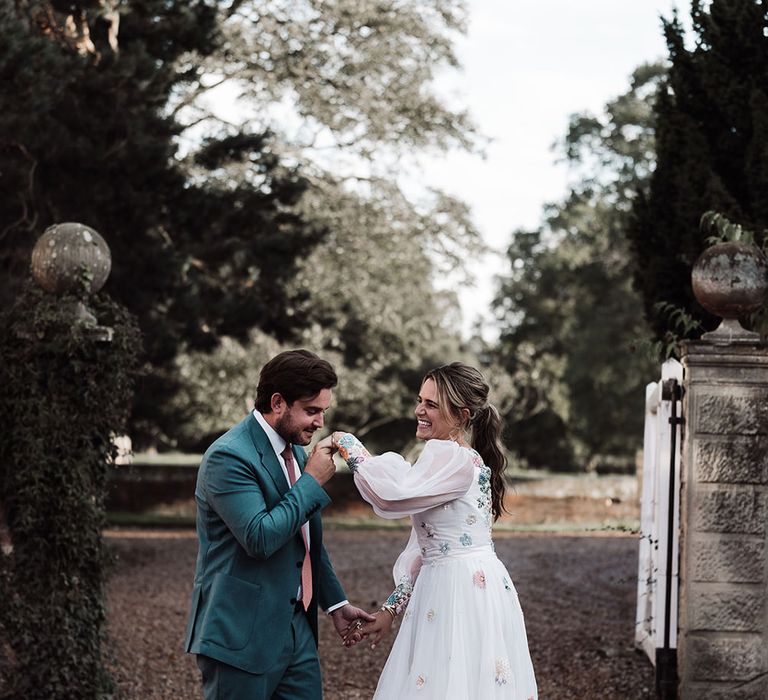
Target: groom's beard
292 433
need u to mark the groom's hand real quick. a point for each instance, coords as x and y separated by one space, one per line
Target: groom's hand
320 465
344 616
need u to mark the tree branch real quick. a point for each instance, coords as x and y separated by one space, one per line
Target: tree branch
200 90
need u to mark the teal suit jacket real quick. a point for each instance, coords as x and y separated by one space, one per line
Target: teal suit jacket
251 551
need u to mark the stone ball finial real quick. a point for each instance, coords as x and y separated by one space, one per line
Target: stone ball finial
730 280
70 256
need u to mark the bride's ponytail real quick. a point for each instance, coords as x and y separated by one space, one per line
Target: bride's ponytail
486 439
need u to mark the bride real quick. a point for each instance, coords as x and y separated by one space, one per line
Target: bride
462 634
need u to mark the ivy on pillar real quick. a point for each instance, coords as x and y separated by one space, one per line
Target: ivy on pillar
68 357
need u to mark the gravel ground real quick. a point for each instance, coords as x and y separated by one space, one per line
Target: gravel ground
577 592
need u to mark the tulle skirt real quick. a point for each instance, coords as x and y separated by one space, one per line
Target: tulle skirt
462 636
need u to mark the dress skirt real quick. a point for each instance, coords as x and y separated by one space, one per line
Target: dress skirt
462 636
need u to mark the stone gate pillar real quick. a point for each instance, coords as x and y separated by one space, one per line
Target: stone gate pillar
723 608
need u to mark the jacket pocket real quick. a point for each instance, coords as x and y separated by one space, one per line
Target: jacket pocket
230 612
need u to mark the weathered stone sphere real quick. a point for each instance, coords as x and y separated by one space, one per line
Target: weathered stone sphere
730 280
67 255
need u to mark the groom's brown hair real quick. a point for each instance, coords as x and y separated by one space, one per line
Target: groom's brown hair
294 374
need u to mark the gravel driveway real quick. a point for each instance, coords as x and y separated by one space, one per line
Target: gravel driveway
577 593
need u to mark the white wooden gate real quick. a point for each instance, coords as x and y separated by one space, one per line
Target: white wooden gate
657 579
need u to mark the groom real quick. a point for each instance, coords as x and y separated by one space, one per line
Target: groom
262 569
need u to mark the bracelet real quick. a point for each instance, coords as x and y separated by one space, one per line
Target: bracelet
390 609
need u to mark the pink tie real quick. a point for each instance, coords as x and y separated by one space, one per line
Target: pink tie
306 567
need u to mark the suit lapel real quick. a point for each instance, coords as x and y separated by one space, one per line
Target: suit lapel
268 457
272 467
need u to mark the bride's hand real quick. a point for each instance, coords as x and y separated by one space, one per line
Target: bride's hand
326 443
378 628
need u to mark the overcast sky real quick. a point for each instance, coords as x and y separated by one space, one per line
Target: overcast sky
528 65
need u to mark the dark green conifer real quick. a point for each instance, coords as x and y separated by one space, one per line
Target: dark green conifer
712 149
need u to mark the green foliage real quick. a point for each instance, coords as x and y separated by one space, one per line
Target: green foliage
64 395
357 78
681 325
357 73
217 388
712 153
355 280
379 249
212 211
724 231
90 138
570 321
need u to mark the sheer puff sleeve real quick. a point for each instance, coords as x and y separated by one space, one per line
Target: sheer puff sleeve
397 489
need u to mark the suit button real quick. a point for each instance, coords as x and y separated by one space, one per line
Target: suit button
293 601
299 564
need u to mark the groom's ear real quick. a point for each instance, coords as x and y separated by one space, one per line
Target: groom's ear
277 403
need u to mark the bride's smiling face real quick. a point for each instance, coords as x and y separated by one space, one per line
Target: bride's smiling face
430 423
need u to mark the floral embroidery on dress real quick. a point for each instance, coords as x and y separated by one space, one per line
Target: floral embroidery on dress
430 615
471 520
444 547
506 583
401 595
429 529
352 451
420 681
424 551
466 540
478 578
502 671
484 501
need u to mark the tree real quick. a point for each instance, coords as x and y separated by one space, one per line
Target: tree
357 78
88 140
366 294
356 74
569 317
712 151
201 207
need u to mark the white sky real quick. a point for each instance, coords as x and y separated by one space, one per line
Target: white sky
528 65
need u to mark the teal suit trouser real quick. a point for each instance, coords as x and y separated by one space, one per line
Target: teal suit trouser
295 676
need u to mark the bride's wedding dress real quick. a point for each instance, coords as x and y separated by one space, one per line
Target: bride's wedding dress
462 634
